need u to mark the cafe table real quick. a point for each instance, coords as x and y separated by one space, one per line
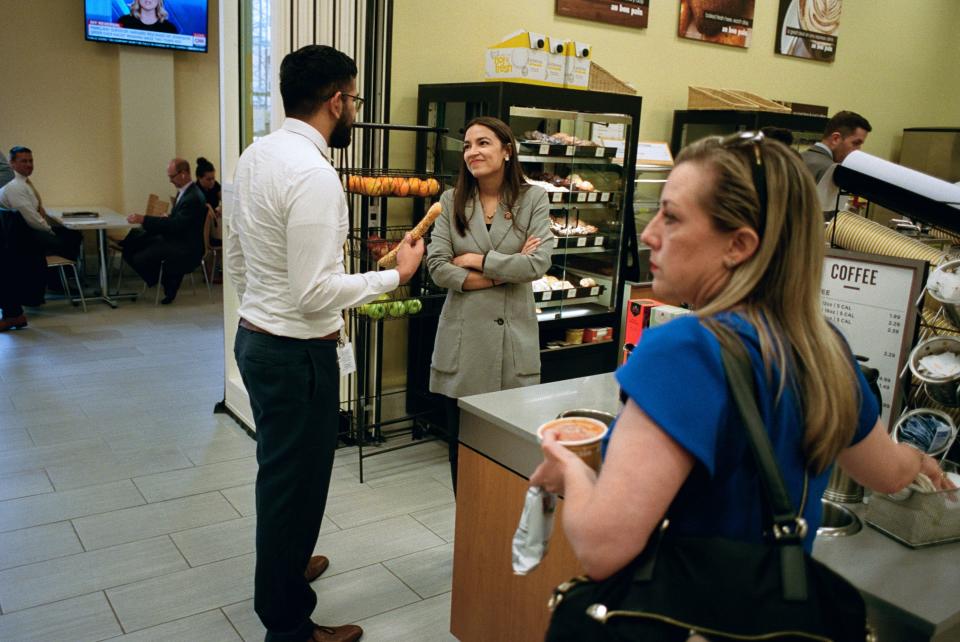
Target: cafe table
105 219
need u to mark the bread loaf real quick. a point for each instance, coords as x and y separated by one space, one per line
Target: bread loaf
389 260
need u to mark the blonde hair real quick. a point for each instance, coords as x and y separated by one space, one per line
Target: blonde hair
161 12
778 288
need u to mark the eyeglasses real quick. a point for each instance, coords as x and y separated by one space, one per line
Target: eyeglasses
357 100
755 139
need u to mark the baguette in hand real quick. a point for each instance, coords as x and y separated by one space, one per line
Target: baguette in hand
389 259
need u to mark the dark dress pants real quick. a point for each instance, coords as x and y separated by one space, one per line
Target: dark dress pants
59 241
145 252
293 386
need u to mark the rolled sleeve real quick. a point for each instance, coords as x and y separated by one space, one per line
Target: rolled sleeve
680 356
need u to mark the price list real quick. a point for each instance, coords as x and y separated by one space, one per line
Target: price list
871 304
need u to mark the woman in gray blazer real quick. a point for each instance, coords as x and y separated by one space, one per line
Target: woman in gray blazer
491 241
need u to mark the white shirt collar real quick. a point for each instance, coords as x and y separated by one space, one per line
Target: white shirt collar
300 127
183 189
17 174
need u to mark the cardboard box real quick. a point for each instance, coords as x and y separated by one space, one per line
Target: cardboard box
665 313
522 56
556 61
577 66
638 318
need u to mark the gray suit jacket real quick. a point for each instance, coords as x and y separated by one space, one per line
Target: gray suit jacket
489 339
817 160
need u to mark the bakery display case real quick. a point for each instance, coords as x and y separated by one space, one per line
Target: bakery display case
693 124
648 186
580 147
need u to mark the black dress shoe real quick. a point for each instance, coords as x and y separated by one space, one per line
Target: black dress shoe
13 323
167 300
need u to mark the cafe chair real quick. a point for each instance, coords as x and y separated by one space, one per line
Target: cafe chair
62 263
193 285
208 246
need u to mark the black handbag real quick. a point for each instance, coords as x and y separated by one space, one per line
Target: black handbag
710 588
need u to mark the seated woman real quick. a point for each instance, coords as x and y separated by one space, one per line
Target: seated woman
148 15
207 182
739 237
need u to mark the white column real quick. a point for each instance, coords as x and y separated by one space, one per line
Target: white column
148 132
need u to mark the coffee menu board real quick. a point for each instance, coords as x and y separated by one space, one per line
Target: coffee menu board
626 13
808 29
872 299
725 22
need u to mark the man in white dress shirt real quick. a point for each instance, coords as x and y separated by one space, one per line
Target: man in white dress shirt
20 194
284 252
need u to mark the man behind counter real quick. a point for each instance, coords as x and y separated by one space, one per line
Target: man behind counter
284 252
845 132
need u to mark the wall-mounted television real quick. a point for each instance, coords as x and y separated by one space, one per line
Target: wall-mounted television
170 24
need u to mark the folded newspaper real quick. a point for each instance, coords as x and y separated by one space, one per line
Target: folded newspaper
533 531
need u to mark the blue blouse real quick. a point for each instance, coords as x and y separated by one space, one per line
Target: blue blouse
675 375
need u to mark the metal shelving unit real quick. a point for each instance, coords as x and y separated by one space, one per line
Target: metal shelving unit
370 237
692 124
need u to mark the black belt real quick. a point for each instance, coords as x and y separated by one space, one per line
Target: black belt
333 336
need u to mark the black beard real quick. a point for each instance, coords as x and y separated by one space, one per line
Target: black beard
340 136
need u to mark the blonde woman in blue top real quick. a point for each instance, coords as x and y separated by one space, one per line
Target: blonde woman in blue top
739 237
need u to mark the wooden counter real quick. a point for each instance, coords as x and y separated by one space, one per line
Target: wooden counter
911 595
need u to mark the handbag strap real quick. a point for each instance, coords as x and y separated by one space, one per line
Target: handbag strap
789 528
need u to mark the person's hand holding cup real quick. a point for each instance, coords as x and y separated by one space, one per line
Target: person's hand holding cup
580 435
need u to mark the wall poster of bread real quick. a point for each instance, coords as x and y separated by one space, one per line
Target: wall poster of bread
725 22
808 29
627 13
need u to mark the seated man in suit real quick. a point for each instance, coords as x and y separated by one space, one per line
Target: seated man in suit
21 195
175 240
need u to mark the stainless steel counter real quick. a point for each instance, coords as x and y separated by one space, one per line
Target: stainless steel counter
915 593
503 425
911 594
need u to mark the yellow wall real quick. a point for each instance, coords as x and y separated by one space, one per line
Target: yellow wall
196 83
60 96
896 64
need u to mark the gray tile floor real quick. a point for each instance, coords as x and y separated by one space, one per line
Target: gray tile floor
126 505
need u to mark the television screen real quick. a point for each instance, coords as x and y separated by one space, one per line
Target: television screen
171 24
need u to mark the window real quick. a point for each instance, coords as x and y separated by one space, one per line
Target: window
256 70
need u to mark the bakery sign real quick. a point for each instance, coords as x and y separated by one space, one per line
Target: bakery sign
808 29
724 22
626 13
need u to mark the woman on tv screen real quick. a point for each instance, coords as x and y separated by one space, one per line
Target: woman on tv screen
149 15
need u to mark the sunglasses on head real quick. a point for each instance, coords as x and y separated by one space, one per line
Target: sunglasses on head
754 140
